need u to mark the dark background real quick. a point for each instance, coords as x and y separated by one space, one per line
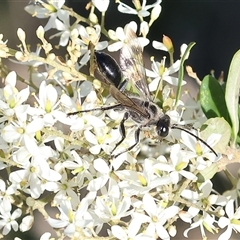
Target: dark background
213 25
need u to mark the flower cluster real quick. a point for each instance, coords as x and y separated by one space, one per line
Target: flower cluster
75 162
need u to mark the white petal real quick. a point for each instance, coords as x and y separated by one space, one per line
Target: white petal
118 232
124 8
133 25
159 46
143 41
101 5
57 223
95 149
95 184
173 81
227 234
154 84
23 95
149 205
11 79
90 137
188 194
120 34
35 125
101 45
115 46
188 175
101 166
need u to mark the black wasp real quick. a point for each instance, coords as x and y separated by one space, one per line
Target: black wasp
141 109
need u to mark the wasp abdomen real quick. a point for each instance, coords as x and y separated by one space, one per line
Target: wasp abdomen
109 68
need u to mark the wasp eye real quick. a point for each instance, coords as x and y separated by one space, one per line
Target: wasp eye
163 126
163 131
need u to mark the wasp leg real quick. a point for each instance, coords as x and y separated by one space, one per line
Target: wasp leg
137 138
122 130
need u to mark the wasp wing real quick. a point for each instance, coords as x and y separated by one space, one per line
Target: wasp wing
131 62
126 101
111 76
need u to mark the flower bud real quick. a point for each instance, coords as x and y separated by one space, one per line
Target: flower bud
21 35
27 223
93 18
144 28
51 57
74 33
183 48
155 14
40 32
172 231
168 43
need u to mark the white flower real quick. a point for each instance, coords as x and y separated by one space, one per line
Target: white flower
48 103
79 166
178 163
37 10
130 232
140 183
5 195
7 219
104 175
71 220
58 18
142 11
55 12
203 221
232 222
157 217
21 131
160 72
35 169
119 36
109 208
62 25
11 99
90 34
101 5
101 139
203 196
35 74
64 190
4 50
199 150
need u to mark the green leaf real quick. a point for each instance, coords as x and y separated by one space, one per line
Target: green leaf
207 173
232 94
181 72
212 99
221 126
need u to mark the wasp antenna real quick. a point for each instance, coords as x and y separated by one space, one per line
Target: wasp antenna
104 108
198 138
